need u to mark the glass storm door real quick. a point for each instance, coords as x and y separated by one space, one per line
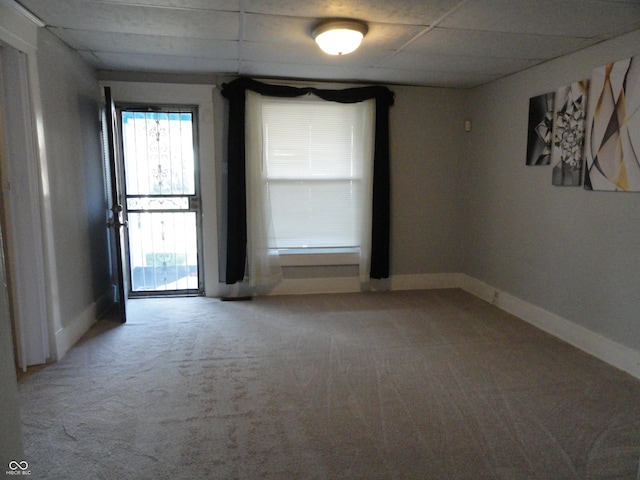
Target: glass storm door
162 200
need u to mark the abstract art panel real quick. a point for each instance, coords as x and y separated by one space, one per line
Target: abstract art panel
540 129
569 125
612 147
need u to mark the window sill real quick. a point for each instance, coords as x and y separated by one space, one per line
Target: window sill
309 257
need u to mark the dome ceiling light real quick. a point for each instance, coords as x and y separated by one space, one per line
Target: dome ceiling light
339 36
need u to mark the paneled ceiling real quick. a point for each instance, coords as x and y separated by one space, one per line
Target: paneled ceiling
450 43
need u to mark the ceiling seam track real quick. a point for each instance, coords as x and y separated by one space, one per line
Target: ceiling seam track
240 35
25 12
163 7
426 30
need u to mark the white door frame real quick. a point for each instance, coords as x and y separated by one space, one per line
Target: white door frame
202 97
29 228
21 192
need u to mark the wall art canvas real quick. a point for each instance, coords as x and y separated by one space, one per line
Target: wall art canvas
569 129
612 149
540 129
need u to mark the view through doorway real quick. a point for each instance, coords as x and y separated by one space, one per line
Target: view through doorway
162 202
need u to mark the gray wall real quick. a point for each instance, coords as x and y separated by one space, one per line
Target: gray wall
567 250
71 105
427 145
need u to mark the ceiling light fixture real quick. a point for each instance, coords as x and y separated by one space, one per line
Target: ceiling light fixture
339 36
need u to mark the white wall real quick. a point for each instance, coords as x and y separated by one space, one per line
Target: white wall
571 252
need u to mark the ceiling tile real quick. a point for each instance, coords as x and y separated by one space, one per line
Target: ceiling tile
308 53
224 5
389 36
410 12
297 71
494 44
432 78
458 63
456 43
577 18
147 44
271 28
108 17
91 58
297 31
161 63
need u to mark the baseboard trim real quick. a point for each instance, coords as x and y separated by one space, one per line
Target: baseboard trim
68 335
603 348
304 286
426 281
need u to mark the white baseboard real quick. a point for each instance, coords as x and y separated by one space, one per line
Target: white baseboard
68 335
426 281
603 348
352 284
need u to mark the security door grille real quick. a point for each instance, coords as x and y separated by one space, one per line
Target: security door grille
162 200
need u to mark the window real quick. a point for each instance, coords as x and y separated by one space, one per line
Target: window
250 250
314 166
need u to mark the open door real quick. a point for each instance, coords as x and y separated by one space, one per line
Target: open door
116 221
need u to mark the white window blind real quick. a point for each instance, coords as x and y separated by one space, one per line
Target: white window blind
313 164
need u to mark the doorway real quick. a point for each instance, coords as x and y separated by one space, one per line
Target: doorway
162 200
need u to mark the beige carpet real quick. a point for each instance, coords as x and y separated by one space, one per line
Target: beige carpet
402 385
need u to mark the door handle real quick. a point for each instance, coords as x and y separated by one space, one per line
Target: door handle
114 219
116 223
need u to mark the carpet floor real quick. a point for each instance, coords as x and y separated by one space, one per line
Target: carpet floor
388 385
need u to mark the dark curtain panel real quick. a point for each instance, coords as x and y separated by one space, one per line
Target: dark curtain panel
234 92
236 188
